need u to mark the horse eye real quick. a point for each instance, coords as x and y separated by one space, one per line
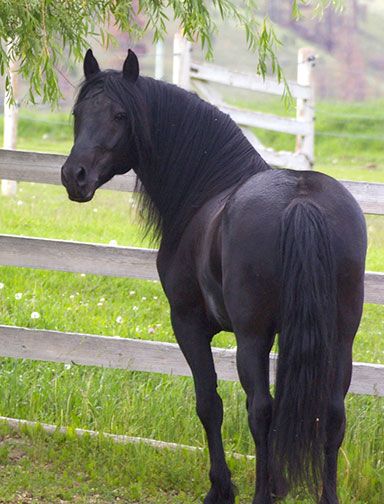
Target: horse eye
120 116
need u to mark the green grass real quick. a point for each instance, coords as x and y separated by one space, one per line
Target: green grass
66 469
349 137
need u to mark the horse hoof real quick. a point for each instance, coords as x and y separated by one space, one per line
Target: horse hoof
262 499
329 499
220 496
280 488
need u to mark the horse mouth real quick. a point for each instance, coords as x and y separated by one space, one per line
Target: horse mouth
81 199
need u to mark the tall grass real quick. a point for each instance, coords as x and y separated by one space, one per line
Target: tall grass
38 468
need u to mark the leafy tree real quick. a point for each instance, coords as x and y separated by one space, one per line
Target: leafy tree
35 32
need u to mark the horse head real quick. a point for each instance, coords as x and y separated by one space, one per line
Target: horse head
103 128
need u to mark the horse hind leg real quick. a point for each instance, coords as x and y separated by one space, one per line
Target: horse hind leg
253 368
348 319
336 422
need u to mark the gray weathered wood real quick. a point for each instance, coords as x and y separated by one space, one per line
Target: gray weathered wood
284 159
142 355
370 196
45 168
305 107
181 61
19 424
11 114
78 257
374 288
267 121
252 82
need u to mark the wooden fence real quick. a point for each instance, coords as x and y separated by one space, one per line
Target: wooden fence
200 77
132 262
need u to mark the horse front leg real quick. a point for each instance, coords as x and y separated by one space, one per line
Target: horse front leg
194 338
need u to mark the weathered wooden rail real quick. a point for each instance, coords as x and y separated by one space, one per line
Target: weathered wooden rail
131 262
45 168
192 75
141 355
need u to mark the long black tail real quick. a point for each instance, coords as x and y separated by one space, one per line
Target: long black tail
306 342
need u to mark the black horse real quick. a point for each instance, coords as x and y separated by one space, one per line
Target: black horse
243 248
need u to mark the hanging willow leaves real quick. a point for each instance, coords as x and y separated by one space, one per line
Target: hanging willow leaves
35 33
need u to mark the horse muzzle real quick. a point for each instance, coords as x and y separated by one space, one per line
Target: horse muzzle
79 186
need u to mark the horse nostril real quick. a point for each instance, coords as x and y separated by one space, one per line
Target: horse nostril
81 174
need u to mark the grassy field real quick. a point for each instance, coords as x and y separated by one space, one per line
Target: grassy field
39 468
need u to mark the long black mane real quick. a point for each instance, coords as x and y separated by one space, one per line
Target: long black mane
187 150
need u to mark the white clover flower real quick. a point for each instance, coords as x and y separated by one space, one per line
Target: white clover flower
72 296
1 285
35 315
100 304
151 330
102 300
67 366
18 295
119 319
95 210
113 242
82 275
132 293
143 298
135 308
19 203
155 298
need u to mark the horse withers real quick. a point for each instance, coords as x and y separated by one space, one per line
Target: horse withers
243 248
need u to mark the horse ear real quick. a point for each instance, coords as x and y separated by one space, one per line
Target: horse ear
131 67
91 66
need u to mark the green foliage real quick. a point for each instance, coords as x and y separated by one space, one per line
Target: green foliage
40 34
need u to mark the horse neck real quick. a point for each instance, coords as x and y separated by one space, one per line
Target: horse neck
198 152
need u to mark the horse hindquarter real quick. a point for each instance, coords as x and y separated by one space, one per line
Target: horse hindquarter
296 268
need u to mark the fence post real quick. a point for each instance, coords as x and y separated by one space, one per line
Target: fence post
181 61
305 109
159 60
9 187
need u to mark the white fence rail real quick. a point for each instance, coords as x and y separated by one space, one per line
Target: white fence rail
45 168
129 262
189 74
141 355
90 258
